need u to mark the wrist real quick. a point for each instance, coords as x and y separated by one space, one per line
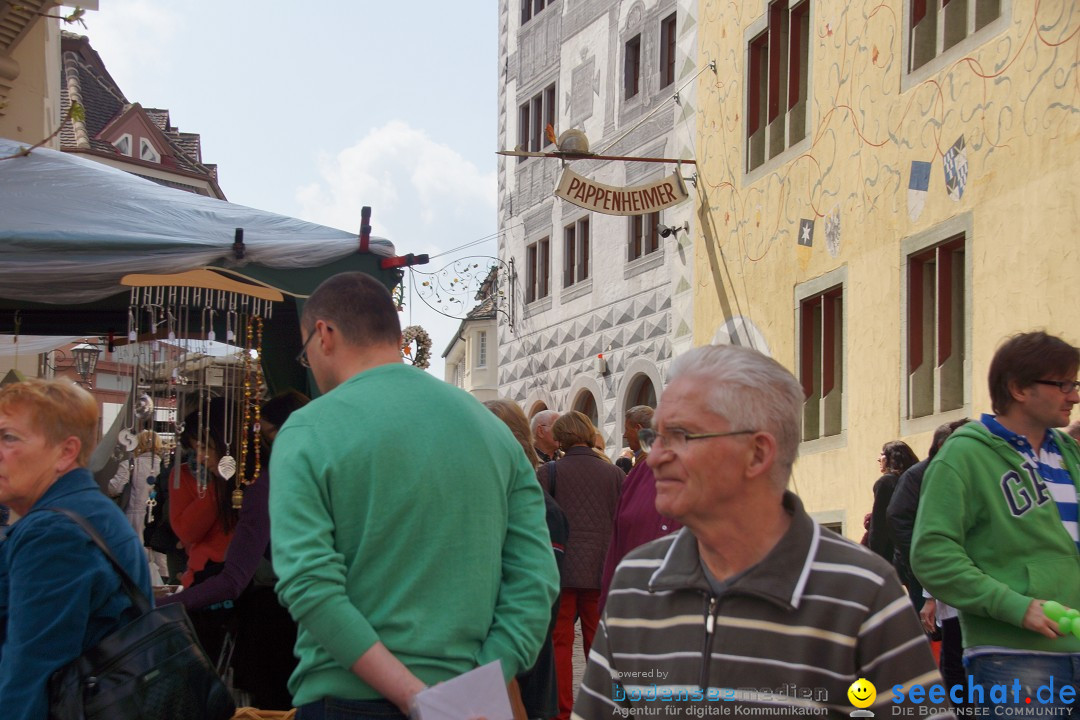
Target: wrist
407 704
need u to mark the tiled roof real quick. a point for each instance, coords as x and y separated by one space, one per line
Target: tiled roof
100 98
85 79
190 142
484 310
160 118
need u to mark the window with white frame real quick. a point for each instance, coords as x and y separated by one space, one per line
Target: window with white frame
821 361
576 252
778 64
481 349
147 151
937 25
123 145
936 330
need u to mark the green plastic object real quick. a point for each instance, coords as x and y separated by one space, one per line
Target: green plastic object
1065 625
1053 610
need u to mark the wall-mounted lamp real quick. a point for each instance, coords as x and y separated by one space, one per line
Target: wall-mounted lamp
668 230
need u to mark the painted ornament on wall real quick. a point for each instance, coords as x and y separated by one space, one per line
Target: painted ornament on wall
806 232
918 185
956 169
832 231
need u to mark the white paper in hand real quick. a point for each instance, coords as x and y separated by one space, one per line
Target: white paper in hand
479 693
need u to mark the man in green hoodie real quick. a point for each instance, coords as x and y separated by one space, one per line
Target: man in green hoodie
996 531
407 527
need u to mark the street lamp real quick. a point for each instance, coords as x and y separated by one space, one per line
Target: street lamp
86 358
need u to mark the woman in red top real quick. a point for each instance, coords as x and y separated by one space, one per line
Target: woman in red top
203 518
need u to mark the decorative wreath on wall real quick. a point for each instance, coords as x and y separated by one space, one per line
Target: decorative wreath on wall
422 359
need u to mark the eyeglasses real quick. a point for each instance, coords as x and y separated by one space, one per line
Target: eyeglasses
675 439
302 356
1065 386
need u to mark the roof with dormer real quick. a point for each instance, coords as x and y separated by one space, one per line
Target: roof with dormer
155 149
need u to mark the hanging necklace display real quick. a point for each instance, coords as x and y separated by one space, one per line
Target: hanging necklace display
201 430
256 426
245 399
160 384
176 378
227 464
127 439
179 379
251 407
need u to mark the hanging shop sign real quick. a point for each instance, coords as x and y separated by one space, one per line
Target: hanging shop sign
636 200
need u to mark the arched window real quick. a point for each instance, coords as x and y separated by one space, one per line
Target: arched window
537 407
585 404
641 392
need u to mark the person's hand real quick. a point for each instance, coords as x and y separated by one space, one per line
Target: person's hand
928 615
1036 621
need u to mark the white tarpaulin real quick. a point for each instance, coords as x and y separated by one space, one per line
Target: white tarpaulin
70 228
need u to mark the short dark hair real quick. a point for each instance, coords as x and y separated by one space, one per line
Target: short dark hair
1025 358
358 306
942 434
278 408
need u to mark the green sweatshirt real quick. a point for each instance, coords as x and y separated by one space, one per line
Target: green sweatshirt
403 510
988 540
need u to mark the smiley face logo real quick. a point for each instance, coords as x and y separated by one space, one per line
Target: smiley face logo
862 692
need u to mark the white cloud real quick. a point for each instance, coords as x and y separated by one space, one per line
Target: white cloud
412 182
425 198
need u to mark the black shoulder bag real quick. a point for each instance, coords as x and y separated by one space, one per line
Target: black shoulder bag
153 667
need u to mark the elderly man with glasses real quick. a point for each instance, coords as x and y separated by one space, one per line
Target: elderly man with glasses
751 608
543 440
996 532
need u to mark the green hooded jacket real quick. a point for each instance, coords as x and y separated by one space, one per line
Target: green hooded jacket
988 539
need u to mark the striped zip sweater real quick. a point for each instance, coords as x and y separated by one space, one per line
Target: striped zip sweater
794 631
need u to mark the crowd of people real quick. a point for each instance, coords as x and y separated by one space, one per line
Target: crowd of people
403 533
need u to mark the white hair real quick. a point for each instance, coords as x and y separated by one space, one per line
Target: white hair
751 391
542 417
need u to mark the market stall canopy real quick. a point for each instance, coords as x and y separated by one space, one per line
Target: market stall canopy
71 229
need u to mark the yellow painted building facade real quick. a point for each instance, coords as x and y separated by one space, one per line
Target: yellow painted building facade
887 189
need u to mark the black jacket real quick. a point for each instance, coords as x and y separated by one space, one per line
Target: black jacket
901 517
881 540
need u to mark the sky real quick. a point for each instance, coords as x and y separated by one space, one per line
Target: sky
314 110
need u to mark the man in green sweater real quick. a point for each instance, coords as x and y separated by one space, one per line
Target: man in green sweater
996 531
407 526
